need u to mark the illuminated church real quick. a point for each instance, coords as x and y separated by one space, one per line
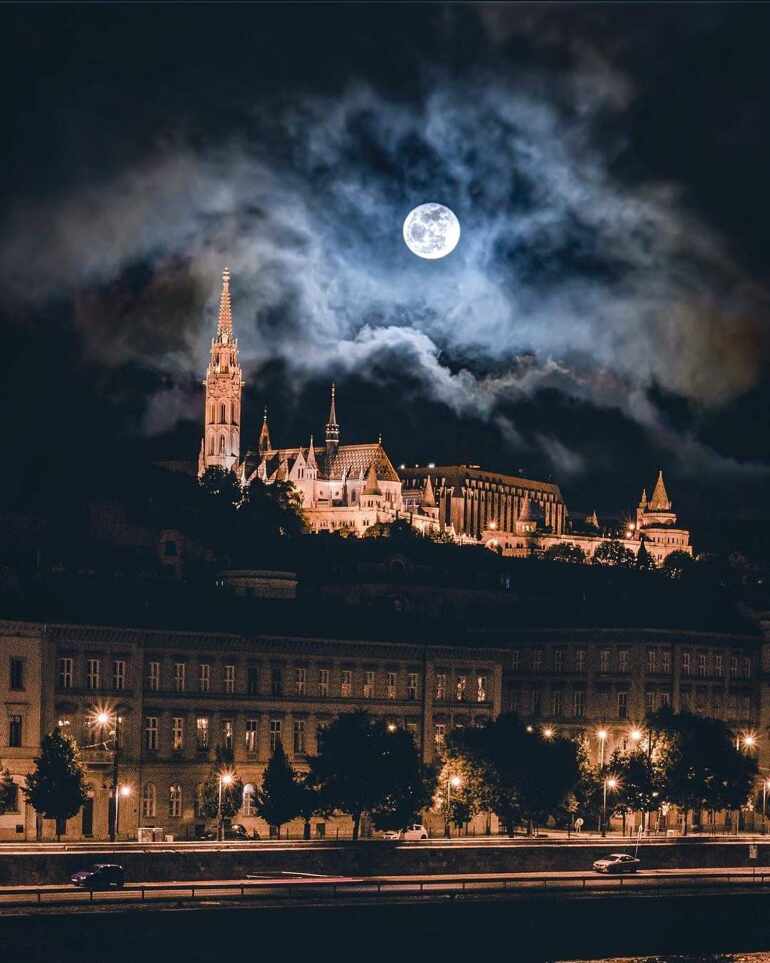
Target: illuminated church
352 487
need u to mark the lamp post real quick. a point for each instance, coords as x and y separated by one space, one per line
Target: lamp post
104 719
455 781
609 783
123 791
601 735
225 779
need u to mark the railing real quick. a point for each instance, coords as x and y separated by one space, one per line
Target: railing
382 886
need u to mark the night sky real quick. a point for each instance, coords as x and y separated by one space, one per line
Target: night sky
605 314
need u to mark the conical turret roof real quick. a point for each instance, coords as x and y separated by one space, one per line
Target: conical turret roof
660 501
225 321
372 486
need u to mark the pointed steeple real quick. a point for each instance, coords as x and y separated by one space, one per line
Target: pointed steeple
660 501
225 322
332 431
428 499
372 486
264 435
643 499
311 462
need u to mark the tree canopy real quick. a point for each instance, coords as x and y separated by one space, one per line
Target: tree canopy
614 553
279 798
56 788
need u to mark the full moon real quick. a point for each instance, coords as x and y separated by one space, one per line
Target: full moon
431 231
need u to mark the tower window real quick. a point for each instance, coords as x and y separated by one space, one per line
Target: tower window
211 445
221 444
222 417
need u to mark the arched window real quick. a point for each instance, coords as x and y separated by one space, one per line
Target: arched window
221 444
175 800
211 414
148 799
222 418
247 807
211 444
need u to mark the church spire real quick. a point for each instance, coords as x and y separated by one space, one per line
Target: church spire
312 463
332 429
428 499
264 435
659 502
225 322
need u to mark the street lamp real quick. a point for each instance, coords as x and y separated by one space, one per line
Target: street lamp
103 718
636 735
123 791
225 779
609 783
601 735
548 732
455 781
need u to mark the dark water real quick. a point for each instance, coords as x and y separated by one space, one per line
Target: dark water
699 928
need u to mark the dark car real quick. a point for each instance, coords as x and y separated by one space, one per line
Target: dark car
236 831
617 863
100 876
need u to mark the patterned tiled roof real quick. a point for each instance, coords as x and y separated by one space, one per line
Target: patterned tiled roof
351 460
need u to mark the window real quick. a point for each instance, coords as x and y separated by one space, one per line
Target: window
665 659
253 680
411 728
299 736
718 666
177 733
204 677
301 677
323 682
14 731
604 660
180 671
275 734
651 660
580 660
151 732
94 673
153 676
439 734
623 660
481 688
411 686
222 445
65 672
276 681
252 735
622 705
441 685
686 663
649 700
202 733
702 665
733 666
230 678
556 703
320 733
537 660
148 799
227 733
248 807
391 685
515 661
16 674
558 660
579 703
460 688
221 414
369 684
346 686
664 700
175 800
119 674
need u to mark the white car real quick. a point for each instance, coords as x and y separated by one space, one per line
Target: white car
415 831
617 863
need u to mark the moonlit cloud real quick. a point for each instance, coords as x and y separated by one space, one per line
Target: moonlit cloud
565 277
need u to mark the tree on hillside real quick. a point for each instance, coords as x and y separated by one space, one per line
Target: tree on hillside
221 485
364 767
271 511
644 561
565 552
278 800
614 553
701 768
57 788
231 788
677 565
9 793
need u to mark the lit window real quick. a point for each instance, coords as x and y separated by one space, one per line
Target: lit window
323 682
686 663
65 673
299 736
623 660
580 660
391 685
248 807
230 678
369 685
148 800
411 690
179 676
604 660
460 686
441 685
622 705
439 734
718 666
94 673
481 688
119 674
537 660
275 734
204 677
556 704
346 686
175 800
177 733
651 660
151 732
252 734
153 676
665 659
202 733
301 681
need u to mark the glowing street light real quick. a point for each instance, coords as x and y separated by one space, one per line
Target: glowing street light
602 736
636 735
225 779
392 727
530 729
452 781
548 732
102 718
123 792
609 783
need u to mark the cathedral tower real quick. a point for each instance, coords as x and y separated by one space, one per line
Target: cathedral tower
332 436
221 443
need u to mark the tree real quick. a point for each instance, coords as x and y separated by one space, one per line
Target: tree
677 565
232 793
700 764
365 767
640 782
57 788
9 793
309 803
278 798
644 561
271 511
565 552
614 553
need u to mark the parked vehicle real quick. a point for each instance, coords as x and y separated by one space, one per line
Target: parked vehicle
100 876
617 863
236 831
415 831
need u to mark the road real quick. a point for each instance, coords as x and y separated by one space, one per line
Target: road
299 887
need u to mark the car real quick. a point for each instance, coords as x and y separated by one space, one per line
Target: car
617 863
415 831
100 876
391 834
236 831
